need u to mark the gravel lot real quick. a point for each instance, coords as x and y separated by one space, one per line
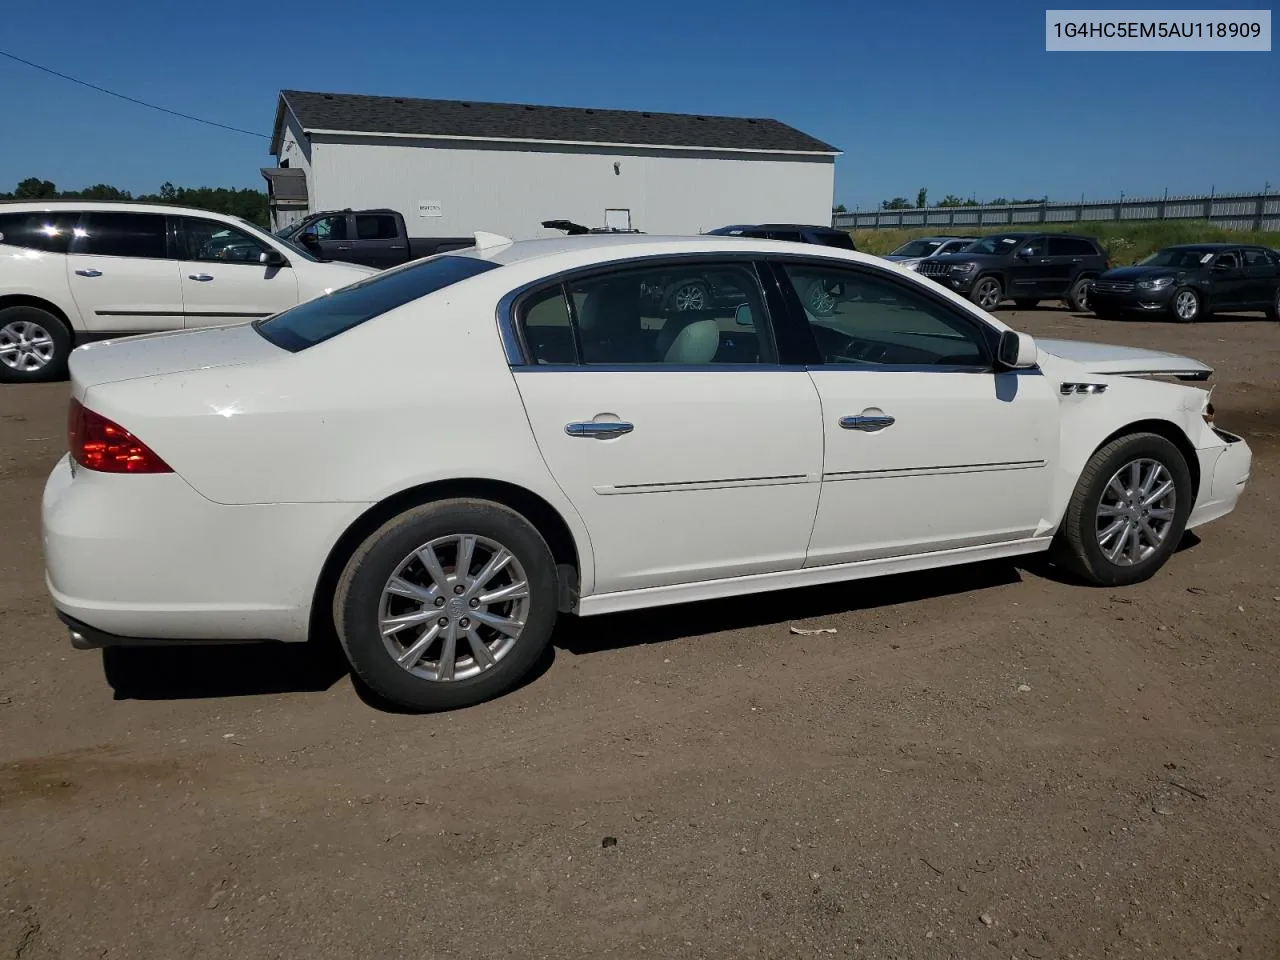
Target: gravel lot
982 762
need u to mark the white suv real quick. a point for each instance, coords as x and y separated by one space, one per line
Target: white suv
73 271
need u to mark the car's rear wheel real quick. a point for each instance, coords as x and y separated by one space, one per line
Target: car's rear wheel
1026 304
1185 305
987 293
1273 311
34 345
689 295
1078 295
447 605
1128 511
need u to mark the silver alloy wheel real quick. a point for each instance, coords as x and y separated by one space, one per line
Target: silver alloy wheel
454 607
988 294
1083 298
25 346
1136 511
821 302
690 296
1186 305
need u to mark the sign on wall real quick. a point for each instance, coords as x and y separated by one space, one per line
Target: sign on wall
430 208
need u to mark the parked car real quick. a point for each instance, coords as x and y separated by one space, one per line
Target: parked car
912 253
537 439
375 238
790 232
1192 281
73 271
1024 267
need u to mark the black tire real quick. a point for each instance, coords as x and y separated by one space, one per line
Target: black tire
1077 298
1026 304
693 294
1191 296
25 329
987 292
1273 311
1077 547
358 598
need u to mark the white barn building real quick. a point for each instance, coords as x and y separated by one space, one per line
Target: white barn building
453 167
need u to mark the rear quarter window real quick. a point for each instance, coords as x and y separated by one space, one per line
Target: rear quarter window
48 231
326 317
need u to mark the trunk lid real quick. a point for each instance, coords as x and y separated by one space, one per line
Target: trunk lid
172 351
1106 358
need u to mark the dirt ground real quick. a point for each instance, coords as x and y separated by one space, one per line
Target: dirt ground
982 762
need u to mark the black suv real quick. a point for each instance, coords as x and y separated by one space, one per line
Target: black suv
793 232
1023 267
1191 281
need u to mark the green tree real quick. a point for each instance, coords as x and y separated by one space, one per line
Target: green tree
951 200
33 188
897 203
922 198
839 208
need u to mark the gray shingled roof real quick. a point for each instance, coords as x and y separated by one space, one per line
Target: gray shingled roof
516 121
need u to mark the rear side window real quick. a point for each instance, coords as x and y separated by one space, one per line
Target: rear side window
1071 247
318 320
375 227
47 231
111 234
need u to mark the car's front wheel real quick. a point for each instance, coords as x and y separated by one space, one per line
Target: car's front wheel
1078 295
34 345
1273 311
987 293
1128 511
447 605
1185 305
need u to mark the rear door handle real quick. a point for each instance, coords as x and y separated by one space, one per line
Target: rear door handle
88 273
598 429
343 246
202 277
866 424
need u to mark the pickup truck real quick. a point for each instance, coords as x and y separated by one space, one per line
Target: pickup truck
375 238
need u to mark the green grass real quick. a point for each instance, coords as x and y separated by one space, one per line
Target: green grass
1125 241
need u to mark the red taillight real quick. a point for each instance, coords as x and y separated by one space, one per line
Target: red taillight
98 444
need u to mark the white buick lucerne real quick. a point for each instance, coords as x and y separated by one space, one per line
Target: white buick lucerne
444 457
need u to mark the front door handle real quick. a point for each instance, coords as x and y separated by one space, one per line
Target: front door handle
867 424
598 429
88 273
202 277
343 246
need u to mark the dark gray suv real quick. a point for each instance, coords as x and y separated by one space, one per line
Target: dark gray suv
1023 267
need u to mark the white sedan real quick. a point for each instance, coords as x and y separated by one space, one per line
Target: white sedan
441 459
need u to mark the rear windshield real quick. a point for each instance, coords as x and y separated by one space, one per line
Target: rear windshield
841 240
317 320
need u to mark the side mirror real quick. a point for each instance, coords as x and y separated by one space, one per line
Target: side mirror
742 316
1024 254
1017 351
308 238
272 258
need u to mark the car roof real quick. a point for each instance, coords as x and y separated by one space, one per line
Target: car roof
118 206
1216 245
606 247
776 226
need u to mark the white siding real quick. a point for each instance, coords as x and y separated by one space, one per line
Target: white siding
296 148
510 191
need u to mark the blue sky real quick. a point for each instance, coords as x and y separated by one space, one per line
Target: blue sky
958 97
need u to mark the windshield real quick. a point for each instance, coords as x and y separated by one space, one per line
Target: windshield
1183 257
917 248
257 231
316 320
999 245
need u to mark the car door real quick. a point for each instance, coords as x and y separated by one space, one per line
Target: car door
223 278
333 235
121 273
1228 286
1059 266
689 452
378 241
1028 269
1261 276
928 447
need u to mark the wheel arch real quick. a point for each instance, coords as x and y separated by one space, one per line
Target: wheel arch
1171 432
27 300
546 519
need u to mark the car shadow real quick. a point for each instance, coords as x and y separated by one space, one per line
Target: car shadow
1039 565
579 636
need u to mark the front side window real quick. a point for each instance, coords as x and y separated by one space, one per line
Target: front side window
113 234
676 313
215 242
998 245
47 231
330 228
859 317
315 321
375 227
